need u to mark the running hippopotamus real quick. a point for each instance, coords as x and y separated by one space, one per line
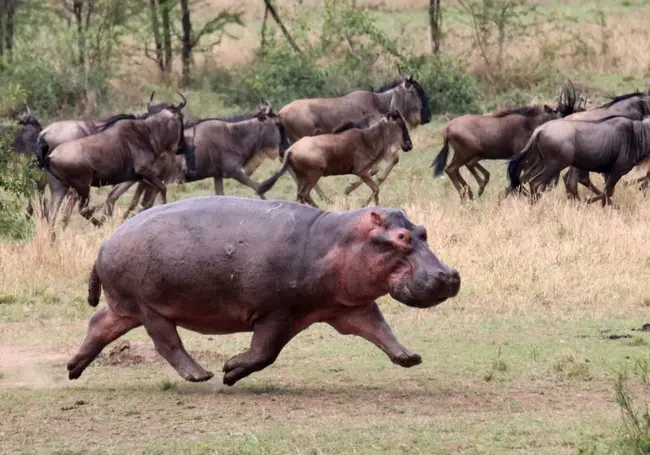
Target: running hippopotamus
219 265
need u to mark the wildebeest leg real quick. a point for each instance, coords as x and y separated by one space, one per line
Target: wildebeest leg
170 346
571 183
453 171
58 190
157 184
116 192
585 180
307 183
142 187
218 185
242 178
358 182
606 197
72 199
84 204
474 167
317 188
104 327
375 189
368 323
269 337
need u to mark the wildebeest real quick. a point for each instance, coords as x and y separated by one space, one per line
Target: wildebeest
353 151
221 265
235 147
633 105
126 152
611 145
494 136
313 116
22 140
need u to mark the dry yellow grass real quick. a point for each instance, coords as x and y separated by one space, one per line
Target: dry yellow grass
553 259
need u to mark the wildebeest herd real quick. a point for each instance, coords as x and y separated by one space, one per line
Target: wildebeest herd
225 264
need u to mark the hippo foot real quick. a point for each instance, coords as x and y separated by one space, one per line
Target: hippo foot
407 359
198 376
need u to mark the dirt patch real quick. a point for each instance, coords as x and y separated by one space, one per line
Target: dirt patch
125 353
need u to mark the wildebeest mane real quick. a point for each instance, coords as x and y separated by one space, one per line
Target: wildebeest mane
607 118
526 111
390 85
233 119
400 79
613 99
110 121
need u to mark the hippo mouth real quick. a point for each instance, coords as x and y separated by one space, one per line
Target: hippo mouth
403 295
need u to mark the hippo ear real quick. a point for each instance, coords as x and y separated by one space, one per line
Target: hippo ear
377 219
548 109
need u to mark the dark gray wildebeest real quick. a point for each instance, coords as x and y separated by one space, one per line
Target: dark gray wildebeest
494 136
313 116
353 151
62 131
233 147
221 265
129 151
633 105
611 146
22 140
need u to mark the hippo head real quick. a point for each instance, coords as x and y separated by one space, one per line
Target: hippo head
399 258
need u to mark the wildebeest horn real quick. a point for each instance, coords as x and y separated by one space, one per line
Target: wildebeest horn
29 111
183 103
151 97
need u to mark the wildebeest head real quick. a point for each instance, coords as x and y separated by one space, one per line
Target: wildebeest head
27 117
395 117
267 116
410 99
416 277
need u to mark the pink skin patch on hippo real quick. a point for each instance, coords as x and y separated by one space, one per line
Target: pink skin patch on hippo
362 272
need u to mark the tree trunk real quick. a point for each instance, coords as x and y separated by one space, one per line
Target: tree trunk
155 26
187 42
435 21
77 9
9 27
167 34
274 13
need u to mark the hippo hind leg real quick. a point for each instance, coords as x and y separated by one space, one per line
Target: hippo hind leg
169 345
104 327
269 337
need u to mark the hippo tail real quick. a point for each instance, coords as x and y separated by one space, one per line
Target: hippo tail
440 161
42 150
268 183
94 287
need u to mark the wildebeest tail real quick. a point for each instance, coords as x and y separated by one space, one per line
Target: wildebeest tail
42 150
268 183
440 161
284 140
514 166
94 287
513 171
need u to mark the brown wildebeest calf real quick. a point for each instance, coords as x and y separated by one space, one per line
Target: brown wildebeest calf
354 151
126 152
496 136
313 116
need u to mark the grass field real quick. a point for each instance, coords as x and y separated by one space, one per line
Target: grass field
524 360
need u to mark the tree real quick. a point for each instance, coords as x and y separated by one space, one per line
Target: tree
7 13
435 22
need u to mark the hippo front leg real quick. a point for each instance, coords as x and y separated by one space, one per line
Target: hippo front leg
368 323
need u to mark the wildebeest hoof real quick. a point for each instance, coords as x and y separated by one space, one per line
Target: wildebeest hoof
348 190
407 360
198 377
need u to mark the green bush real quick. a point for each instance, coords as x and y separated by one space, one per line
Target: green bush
16 178
450 87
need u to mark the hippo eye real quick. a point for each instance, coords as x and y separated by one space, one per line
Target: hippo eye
401 236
